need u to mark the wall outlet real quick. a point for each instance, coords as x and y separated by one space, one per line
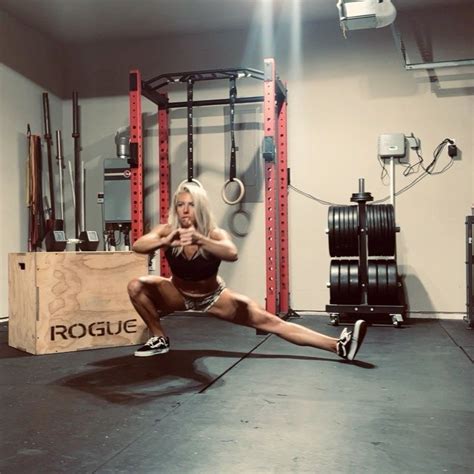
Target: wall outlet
413 142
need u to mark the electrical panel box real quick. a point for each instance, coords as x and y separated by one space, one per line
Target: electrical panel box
117 206
392 145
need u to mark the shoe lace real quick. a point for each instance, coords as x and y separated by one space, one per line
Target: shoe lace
343 340
345 335
153 340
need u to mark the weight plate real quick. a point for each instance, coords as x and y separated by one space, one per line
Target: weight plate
370 226
354 221
348 241
382 240
344 280
331 230
348 236
392 287
391 229
354 288
334 281
336 231
382 282
372 281
377 238
343 231
340 234
383 233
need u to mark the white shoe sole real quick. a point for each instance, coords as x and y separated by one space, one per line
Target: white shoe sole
151 353
358 335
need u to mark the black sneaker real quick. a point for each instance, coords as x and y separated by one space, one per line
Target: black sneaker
350 341
155 345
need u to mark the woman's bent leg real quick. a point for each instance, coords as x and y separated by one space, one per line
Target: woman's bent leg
153 296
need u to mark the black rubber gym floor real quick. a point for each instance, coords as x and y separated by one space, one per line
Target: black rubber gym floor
226 400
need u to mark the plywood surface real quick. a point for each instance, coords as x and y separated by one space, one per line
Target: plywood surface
82 300
22 309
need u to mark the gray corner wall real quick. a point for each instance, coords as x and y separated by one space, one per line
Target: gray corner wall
343 93
30 64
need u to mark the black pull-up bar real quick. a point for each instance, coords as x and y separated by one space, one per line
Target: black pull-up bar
203 75
150 88
226 101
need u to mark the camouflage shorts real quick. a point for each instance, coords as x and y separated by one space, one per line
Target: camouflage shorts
204 303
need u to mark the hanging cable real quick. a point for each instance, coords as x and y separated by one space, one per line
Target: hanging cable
428 171
314 198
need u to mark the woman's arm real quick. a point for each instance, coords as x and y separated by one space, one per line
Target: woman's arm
159 237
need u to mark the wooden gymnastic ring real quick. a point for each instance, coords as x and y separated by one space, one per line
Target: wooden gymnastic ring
233 228
239 197
194 181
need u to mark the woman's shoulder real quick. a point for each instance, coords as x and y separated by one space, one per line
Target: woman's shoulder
218 234
162 230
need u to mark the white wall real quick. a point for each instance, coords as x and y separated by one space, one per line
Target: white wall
21 102
342 95
356 90
31 54
29 66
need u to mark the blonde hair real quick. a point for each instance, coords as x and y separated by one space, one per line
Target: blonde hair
205 222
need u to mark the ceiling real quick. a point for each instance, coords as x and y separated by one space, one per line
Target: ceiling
81 21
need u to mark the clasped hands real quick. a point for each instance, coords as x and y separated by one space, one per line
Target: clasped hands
183 236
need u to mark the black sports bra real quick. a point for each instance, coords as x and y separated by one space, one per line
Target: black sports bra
194 269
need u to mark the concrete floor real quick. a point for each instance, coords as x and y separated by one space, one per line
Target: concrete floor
226 400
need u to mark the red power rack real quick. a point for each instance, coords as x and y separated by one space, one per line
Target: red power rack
136 154
164 187
274 153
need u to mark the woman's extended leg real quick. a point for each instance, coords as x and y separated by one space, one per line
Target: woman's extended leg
242 310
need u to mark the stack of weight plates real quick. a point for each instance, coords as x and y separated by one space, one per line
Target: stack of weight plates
343 223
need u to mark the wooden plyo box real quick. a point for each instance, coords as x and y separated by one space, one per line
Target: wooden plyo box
69 301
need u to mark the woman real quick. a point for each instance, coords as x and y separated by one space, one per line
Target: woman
194 247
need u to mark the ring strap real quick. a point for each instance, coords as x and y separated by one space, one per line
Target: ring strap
190 130
232 97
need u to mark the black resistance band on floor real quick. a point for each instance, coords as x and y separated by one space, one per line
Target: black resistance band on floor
232 366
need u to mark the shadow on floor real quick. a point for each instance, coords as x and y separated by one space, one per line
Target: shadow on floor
129 380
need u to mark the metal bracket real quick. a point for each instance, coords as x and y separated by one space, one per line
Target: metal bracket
268 149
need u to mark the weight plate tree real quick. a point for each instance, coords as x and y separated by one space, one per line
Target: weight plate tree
367 282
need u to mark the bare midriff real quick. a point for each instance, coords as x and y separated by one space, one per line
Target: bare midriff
196 288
